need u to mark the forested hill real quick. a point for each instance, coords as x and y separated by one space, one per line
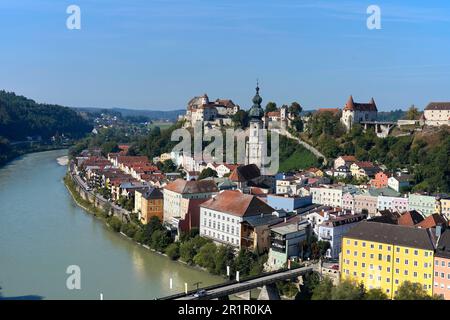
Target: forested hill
21 117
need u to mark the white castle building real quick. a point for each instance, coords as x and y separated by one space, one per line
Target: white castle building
358 112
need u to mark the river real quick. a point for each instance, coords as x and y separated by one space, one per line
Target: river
43 231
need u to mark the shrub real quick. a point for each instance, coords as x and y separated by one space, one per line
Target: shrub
115 223
173 251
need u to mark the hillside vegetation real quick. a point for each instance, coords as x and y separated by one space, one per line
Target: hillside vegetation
21 117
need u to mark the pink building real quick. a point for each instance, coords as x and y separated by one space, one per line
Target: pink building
442 267
400 204
348 201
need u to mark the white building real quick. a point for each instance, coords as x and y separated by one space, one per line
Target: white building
398 182
256 141
437 114
221 217
358 112
327 195
335 227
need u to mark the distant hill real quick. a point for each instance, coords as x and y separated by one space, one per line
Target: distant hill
151 114
21 117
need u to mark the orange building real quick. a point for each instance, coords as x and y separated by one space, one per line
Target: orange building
150 203
380 180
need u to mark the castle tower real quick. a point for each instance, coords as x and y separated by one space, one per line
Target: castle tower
256 141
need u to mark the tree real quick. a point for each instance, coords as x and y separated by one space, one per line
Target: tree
297 123
115 223
206 173
109 147
295 108
323 291
206 256
173 251
412 113
187 251
224 257
153 225
244 261
310 281
411 291
375 294
240 119
348 290
160 240
166 166
271 106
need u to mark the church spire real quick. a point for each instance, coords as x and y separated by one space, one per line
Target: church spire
256 111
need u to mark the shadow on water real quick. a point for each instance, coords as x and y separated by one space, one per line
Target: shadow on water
27 297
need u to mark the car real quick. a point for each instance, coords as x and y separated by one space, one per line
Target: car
200 293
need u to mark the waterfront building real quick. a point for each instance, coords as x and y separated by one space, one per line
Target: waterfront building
286 241
180 189
384 256
222 216
148 203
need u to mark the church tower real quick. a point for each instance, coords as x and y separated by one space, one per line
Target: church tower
256 141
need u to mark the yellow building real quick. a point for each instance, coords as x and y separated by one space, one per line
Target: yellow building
443 207
384 256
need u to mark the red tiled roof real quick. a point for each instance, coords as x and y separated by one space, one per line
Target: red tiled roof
238 204
189 187
410 218
349 158
352 106
432 221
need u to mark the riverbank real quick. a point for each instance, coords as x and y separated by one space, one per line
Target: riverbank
50 232
14 153
190 249
103 216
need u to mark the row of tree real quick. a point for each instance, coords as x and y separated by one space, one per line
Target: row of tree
191 248
349 289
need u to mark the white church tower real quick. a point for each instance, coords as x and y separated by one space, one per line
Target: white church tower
256 141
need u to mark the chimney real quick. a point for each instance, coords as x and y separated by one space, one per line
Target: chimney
285 219
438 230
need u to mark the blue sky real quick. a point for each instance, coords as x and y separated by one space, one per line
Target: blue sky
157 54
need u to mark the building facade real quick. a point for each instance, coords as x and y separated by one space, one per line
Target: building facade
358 112
384 256
437 114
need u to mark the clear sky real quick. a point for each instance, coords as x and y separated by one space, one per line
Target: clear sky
157 54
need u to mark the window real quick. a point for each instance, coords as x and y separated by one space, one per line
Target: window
406 251
406 272
416 252
442 275
397 249
388 280
380 257
436 263
388 258
415 263
415 274
443 263
380 247
356 243
406 261
364 265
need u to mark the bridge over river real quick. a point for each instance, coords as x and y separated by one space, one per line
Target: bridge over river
234 287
